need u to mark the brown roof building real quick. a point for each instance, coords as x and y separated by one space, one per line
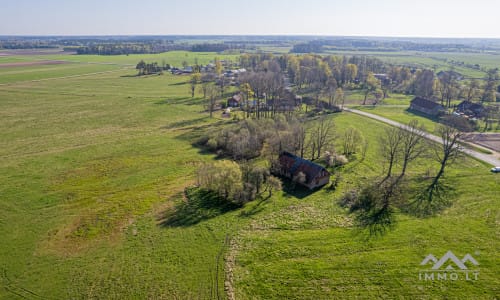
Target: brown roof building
426 106
293 167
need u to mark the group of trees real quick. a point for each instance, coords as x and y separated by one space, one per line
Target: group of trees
322 75
374 204
308 139
125 48
150 68
237 183
266 139
269 85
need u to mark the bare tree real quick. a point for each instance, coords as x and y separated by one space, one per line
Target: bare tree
390 147
446 153
352 140
413 145
322 134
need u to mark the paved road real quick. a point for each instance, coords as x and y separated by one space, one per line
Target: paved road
492 159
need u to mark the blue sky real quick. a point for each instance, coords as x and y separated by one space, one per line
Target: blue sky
416 18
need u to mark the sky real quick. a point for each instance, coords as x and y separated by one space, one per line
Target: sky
400 18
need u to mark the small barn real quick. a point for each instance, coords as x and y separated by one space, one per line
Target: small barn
291 166
426 106
234 101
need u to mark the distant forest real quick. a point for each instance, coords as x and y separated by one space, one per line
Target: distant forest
320 46
119 45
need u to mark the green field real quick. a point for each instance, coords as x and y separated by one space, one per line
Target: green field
91 168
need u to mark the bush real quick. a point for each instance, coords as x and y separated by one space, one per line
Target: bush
339 160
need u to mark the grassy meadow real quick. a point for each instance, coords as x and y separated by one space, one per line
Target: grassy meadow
93 171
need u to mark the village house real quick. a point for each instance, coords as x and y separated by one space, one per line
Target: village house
235 100
470 109
292 166
384 78
426 106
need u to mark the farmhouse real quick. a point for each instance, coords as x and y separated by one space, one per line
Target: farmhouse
426 106
292 166
471 109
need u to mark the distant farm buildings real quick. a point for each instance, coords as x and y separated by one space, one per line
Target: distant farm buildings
426 106
470 109
303 171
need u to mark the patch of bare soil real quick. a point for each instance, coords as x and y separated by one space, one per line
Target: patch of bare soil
32 63
488 140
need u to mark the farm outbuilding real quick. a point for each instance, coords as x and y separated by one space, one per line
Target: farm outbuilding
426 106
292 166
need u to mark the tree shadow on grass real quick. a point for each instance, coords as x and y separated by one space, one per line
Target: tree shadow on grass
371 208
186 123
198 205
254 208
421 206
179 83
374 223
295 190
181 101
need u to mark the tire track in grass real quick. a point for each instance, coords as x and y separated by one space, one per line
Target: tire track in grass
62 77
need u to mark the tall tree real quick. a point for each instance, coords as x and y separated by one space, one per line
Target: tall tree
352 141
193 82
322 134
371 85
490 88
472 90
446 152
424 83
211 98
390 143
412 140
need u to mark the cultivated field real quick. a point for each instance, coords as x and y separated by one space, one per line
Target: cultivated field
94 164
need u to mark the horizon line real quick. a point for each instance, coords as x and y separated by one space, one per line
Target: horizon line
250 35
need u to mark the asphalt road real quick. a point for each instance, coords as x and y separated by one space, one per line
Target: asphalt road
492 159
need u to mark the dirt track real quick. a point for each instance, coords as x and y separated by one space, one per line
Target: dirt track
488 140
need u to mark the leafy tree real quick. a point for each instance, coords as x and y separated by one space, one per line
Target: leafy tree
371 85
193 82
211 93
423 84
223 177
273 184
490 88
472 90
